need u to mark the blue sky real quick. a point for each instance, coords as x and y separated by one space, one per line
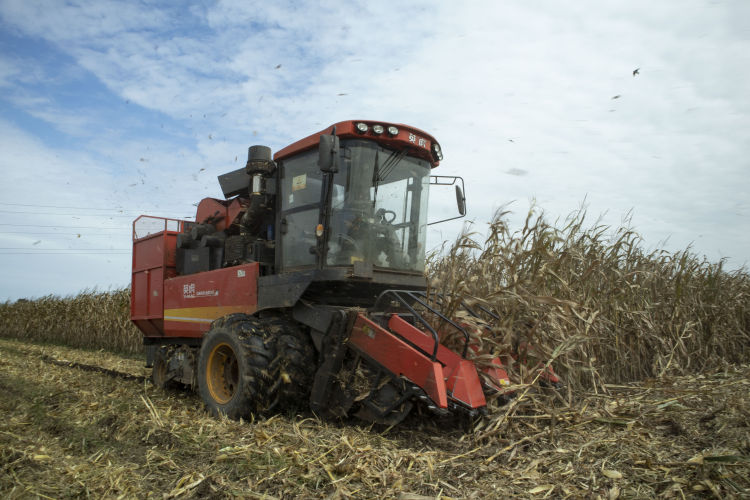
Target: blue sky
111 109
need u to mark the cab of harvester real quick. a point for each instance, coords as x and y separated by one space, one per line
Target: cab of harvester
344 210
307 283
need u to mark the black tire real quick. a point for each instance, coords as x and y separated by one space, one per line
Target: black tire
254 366
293 369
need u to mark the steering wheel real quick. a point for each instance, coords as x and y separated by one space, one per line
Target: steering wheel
347 238
383 214
343 237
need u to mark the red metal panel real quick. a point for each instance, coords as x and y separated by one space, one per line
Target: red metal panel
423 340
192 302
148 252
170 250
419 141
495 370
154 258
139 295
497 374
234 209
226 211
155 292
464 385
210 208
462 380
400 358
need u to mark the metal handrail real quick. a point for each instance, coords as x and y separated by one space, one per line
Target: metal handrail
467 338
397 295
416 296
180 225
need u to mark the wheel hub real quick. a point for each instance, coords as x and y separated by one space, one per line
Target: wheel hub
222 373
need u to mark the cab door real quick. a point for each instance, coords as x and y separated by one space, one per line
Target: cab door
300 203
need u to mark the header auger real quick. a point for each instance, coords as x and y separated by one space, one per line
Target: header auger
306 286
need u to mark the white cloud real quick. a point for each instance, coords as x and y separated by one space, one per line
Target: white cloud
89 21
673 147
8 71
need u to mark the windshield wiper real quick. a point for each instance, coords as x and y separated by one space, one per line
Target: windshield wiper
390 163
380 173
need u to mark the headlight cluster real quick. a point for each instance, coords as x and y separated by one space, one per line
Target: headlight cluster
362 128
437 152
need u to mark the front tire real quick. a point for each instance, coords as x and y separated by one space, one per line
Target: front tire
254 366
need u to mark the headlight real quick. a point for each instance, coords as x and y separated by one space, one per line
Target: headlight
437 151
362 127
377 129
392 131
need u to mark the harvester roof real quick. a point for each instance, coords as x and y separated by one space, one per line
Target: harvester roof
394 136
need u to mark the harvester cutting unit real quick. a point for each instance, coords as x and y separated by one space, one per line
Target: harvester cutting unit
306 285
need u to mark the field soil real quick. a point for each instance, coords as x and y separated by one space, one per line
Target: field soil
78 423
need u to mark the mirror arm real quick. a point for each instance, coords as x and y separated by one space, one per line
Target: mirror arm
446 220
450 180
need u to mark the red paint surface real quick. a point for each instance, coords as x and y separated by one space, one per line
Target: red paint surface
164 304
496 372
191 302
210 208
153 261
347 130
226 211
400 358
462 380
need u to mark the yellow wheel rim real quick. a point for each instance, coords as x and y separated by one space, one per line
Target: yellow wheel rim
222 373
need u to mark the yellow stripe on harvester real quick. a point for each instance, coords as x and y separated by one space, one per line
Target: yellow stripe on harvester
204 314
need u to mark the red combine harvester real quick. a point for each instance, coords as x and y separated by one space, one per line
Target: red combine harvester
306 284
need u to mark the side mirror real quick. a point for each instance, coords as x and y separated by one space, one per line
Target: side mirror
458 183
460 200
328 153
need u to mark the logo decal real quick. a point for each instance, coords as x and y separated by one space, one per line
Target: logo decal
189 292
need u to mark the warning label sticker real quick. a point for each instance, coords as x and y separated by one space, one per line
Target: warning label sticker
299 182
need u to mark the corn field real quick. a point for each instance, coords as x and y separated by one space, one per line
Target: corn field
591 298
91 319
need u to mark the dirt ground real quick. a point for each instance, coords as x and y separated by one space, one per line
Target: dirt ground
71 430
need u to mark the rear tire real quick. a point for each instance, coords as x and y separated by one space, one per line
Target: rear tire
254 366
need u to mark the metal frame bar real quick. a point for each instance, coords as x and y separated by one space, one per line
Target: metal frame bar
421 297
438 182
